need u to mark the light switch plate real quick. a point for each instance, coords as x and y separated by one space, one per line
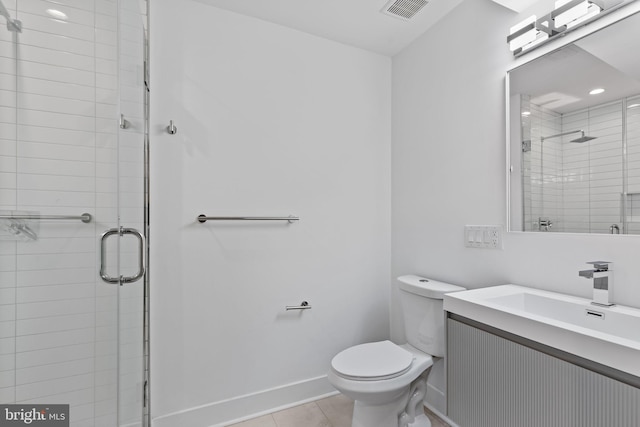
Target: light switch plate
483 236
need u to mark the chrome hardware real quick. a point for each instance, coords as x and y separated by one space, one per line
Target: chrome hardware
140 273
614 227
593 313
304 305
602 276
85 217
544 224
291 219
13 25
17 228
124 124
172 129
103 255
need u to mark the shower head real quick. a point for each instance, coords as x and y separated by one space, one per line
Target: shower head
583 138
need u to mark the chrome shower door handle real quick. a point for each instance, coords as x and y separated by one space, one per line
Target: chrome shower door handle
140 273
103 255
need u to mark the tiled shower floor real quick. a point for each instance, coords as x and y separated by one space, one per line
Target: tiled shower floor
333 411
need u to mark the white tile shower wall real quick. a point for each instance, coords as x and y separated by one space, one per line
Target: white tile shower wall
633 164
58 155
593 170
543 176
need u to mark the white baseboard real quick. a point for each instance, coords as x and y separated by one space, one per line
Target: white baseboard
240 408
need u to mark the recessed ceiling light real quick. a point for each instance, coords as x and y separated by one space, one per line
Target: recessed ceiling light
57 14
596 91
633 106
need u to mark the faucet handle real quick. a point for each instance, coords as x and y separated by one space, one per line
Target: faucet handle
600 265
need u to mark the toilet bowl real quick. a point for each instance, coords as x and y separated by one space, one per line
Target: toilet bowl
379 377
388 381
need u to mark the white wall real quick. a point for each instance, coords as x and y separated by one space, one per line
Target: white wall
271 121
448 170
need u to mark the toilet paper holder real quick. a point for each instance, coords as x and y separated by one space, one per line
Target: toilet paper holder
304 305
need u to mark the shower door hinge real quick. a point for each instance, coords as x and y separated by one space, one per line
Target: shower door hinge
526 146
144 393
145 73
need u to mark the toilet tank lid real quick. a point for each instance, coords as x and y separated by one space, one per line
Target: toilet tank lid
427 287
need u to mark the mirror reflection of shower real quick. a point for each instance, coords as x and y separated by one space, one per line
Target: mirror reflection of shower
13 25
581 168
545 223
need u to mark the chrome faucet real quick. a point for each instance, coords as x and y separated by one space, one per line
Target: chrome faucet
602 276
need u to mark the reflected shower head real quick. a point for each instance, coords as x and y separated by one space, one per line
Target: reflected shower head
583 138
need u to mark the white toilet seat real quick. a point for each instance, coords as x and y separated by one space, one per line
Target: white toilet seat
373 361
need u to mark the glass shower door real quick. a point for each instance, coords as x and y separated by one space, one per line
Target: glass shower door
72 129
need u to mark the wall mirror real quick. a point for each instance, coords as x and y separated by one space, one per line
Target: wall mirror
574 136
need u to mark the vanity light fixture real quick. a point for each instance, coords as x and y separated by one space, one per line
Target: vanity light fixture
576 12
567 15
592 11
596 91
526 33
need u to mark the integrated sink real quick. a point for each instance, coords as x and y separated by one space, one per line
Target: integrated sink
617 321
609 336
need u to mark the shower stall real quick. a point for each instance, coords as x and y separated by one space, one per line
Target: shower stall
73 144
581 169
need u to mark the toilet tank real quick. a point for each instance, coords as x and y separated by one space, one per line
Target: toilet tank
422 306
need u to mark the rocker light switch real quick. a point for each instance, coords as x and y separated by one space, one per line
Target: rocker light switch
483 236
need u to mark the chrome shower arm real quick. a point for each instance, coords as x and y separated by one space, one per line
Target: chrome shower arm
12 24
562 134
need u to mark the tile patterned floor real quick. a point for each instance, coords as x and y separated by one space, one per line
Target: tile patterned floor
333 411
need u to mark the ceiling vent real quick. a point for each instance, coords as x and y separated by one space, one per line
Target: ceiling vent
403 9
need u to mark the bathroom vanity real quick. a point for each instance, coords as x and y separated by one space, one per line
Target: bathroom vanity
519 356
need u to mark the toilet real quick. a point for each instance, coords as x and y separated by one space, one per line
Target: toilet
387 381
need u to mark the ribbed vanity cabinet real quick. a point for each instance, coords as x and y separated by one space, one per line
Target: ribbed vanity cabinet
495 379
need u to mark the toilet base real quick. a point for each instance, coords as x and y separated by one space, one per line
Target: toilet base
397 413
385 415
421 421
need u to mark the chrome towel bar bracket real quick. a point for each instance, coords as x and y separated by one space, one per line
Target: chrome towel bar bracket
304 305
291 219
172 129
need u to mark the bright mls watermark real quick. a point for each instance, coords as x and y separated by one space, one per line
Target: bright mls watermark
34 415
